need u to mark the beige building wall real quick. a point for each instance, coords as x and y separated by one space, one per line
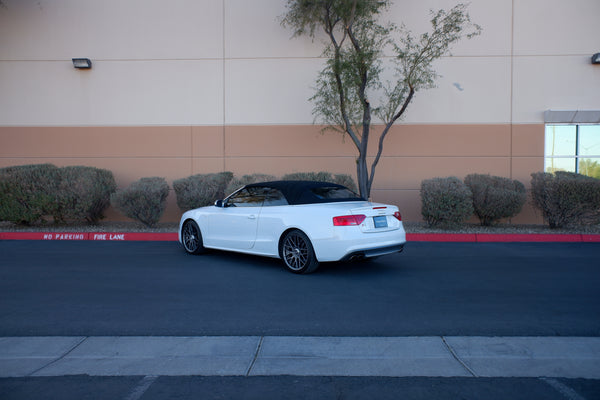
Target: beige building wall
194 86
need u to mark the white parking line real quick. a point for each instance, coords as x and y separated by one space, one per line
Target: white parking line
141 387
563 389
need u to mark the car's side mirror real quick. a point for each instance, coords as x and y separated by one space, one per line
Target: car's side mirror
219 203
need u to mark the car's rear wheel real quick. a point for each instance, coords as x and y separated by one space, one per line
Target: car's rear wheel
191 237
297 253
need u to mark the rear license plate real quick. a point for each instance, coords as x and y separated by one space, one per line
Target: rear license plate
380 222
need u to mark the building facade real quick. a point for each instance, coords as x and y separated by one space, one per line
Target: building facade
197 86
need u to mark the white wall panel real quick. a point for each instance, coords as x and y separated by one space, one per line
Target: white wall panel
270 91
111 93
556 27
111 29
211 62
494 16
470 90
557 83
253 30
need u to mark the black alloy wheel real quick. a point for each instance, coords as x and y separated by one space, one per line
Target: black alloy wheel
298 254
191 238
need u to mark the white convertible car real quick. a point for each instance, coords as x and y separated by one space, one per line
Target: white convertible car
301 222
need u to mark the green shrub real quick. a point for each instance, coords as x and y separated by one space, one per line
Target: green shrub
84 193
201 190
445 201
237 183
322 176
144 200
566 198
495 197
28 192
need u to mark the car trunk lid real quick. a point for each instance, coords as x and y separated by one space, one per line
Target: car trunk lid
379 218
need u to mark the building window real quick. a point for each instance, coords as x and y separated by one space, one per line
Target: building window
573 148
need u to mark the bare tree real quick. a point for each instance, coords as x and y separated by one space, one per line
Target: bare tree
354 50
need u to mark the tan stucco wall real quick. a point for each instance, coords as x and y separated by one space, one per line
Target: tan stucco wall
212 85
412 153
230 62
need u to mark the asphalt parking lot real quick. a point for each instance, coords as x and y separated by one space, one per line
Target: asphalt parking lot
431 289
525 303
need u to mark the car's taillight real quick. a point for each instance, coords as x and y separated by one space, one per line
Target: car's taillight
348 220
398 216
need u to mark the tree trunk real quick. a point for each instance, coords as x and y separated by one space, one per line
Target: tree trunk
362 174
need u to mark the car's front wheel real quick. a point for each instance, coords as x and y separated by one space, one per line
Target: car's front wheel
191 238
297 253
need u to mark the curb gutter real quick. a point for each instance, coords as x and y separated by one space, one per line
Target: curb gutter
410 237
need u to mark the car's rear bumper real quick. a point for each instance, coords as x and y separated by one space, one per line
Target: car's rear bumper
375 252
351 242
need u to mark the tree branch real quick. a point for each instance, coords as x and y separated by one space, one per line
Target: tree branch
385 132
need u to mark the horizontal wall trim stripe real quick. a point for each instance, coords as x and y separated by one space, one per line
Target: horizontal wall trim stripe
412 153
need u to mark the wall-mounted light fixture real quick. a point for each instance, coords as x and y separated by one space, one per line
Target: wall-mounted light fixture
82 63
596 58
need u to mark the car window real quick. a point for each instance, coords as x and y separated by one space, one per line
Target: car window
334 193
274 197
246 198
257 197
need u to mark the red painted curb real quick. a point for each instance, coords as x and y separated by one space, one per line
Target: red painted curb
411 237
96 236
591 238
441 237
524 237
501 237
134 236
44 235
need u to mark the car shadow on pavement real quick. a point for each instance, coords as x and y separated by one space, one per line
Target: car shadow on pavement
365 267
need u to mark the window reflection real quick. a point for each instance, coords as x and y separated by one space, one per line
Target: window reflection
334 193
573 148
560 140
257 197
590 167
245 198
589 140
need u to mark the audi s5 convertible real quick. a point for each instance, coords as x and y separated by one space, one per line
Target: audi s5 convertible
303 223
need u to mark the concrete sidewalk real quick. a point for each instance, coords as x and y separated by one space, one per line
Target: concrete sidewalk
565 357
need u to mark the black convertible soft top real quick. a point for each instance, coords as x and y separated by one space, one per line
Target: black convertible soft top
309 192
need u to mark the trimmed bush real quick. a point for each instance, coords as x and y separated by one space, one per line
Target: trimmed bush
84 194
322 176
566 198
445 201
201 190
28 192
237 183
495 197
144 200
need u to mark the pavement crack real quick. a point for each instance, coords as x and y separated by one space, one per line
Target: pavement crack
258 347
76 345
457 358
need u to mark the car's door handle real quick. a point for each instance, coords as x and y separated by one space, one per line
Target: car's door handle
252 216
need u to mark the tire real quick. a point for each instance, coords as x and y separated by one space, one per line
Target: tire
297 253
191 238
